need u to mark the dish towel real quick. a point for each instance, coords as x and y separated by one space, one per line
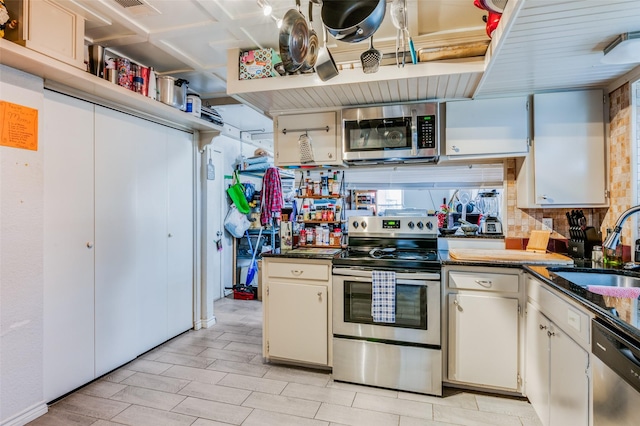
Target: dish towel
272 199
623 292
383 297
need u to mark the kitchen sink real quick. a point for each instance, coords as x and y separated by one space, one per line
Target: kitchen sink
597 278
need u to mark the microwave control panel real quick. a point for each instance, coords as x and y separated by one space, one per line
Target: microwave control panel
426 129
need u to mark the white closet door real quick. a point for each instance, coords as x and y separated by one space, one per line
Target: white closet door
151 232
68 244
180 232
116 219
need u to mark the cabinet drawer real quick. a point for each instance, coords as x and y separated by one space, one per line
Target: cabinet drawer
483 281
569 318
292 270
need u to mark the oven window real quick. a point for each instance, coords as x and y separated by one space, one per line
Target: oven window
367 135
411 305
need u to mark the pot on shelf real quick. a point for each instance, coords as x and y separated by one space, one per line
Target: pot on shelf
353 21
173 92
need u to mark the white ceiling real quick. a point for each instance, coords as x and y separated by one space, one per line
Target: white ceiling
540 45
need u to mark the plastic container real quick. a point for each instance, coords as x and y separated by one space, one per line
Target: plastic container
194 104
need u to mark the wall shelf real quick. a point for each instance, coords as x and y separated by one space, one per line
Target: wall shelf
65 78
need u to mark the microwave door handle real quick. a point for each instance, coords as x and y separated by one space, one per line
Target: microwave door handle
414 132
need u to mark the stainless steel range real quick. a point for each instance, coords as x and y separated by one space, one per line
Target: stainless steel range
403 354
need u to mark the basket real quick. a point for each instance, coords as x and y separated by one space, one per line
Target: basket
243 295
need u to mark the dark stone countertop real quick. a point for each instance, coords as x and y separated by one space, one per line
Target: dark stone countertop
477 236
594 302
306 253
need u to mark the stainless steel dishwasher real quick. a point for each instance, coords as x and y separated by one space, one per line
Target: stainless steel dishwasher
616 377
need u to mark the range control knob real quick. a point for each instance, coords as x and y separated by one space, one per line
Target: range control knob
363 224
411 225
429 225
420 225
355 224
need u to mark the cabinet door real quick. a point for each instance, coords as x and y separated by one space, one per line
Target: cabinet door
180 232
537 363
569 381
149 143
49 28
483 340
494 127
326 145
569 148
116 218
68 244
297 321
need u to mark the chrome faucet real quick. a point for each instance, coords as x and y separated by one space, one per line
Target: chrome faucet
613 238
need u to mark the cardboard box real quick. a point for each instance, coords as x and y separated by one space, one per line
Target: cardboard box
259 63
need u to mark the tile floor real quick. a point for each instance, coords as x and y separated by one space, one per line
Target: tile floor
216 377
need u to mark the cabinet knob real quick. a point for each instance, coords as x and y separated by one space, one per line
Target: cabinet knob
455 302
89 245
296 272
170 235
330 155
550 333
320 295
543 327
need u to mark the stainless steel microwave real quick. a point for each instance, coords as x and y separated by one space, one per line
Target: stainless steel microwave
391 133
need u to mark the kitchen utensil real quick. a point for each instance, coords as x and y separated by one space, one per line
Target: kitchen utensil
464 197
371 58
448 231
293 39
397 11
352 21
306 149
325 65
312 45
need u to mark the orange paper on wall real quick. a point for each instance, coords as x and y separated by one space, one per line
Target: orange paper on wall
18 126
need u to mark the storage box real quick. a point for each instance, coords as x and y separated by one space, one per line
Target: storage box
259 63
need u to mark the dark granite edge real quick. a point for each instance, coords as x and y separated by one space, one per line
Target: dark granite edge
593 302
289 255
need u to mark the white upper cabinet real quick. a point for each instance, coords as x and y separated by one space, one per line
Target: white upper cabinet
567 164
322 142
491 128
49 28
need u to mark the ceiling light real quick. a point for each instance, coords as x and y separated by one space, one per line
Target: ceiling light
266 7
625 49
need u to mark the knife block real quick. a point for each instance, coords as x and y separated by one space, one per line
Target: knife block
582 248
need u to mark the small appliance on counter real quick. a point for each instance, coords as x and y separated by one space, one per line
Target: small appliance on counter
582 238
488 203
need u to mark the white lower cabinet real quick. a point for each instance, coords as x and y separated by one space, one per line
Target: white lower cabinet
296 311
483 327
118 249
557 373
483 340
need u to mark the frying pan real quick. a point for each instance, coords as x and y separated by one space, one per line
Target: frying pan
312 45
293 39
352 21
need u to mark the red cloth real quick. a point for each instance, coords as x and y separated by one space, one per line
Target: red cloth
272 200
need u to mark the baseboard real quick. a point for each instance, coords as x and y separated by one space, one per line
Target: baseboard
209 322
26 415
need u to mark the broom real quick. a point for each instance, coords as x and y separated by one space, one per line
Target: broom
253 266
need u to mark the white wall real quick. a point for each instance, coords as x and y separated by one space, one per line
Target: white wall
21 262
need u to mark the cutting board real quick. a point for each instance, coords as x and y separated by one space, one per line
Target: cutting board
509 256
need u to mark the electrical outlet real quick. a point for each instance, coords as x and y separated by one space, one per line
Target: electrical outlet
547 223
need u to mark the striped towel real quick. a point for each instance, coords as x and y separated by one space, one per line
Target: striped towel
383 298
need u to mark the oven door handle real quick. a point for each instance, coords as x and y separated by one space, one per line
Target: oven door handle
363 273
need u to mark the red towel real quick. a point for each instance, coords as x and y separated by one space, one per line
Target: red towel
271 201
